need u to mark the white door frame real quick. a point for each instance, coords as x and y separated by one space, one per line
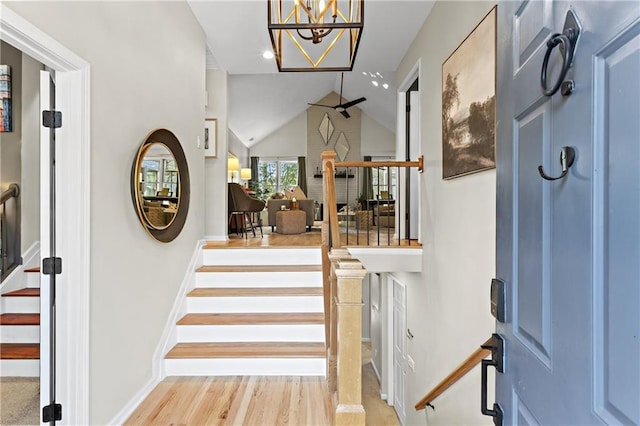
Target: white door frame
401 143
72 98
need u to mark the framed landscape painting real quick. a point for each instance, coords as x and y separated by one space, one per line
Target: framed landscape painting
469 103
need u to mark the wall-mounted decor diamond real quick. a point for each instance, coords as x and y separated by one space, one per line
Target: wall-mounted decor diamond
326 128
342 147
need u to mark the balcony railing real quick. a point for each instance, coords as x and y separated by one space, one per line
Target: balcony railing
10 230
353 215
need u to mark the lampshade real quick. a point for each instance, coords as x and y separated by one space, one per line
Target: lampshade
233 164
245 173
315 35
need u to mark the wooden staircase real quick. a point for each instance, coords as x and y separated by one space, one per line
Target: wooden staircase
252 311
20 329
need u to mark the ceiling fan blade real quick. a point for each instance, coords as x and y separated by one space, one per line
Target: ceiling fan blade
326 106
352 103
345 113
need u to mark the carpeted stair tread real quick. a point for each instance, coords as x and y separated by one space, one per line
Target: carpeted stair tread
260 268
19 351
248 350
24 292
255 292
20 319
252 319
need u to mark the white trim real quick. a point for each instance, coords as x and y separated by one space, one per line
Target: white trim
137 399
73 78
16 279
216 238
169 334
366 339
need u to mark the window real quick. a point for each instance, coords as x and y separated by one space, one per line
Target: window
159 173
384 179
277 175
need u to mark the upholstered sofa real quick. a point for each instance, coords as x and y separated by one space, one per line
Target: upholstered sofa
385 215
273 205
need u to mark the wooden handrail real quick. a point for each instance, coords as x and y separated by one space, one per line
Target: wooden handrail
12 191
419 163
456 375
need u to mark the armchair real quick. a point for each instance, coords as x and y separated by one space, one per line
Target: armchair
241 203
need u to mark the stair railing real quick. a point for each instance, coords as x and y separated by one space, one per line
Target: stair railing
467 365
10 230
362 213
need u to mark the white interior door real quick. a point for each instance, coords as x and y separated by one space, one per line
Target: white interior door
568 249
399 349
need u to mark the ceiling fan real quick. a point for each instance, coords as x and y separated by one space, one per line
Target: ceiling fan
342 107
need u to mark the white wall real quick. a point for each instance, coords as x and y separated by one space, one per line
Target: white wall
377 140
289 140
239 149
147 72
448 303
215 176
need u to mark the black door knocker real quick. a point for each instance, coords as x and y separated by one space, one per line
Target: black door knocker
567 157
566 42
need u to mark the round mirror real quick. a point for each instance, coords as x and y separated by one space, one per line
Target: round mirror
160 185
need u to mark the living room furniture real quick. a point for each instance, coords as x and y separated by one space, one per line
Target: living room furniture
240 203
274 206
385 215
291 221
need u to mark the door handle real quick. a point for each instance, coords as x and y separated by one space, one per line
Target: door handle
497 361
567 157
566 42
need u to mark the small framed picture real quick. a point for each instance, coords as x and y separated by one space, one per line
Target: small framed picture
211 137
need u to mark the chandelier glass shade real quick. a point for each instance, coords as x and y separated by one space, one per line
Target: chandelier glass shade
315 35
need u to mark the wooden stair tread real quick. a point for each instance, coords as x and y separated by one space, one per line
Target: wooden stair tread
255 292
35 269
218 245
19 351
24 292
260 268
248 350
20 319
252 319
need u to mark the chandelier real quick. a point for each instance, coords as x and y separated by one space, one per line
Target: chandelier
333 28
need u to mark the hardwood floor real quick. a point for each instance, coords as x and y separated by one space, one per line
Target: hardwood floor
237 401
374 237
263 401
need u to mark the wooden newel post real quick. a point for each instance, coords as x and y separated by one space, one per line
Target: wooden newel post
335 256
349 410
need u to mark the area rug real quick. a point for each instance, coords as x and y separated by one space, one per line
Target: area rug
19 401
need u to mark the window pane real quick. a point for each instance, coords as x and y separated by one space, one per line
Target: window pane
288 175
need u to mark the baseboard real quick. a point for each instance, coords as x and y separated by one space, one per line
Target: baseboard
375 370
366 339
135 402
30 258
168 338
216 238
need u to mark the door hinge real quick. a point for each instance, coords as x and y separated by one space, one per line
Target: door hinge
52 119
52 412
52 266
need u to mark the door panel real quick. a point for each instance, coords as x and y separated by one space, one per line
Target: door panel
531 310
617 229
399 348
568 249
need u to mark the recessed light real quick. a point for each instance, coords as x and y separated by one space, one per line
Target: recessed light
385 85
364 73
267 54
375 83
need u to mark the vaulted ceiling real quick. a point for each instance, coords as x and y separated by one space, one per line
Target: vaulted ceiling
261 99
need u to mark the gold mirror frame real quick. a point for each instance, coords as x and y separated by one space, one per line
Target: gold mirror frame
171 230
